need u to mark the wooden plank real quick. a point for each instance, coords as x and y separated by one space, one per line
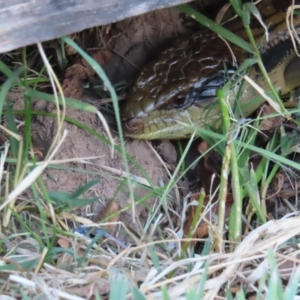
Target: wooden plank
25 22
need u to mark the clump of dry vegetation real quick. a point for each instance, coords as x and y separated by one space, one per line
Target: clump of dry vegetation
148 234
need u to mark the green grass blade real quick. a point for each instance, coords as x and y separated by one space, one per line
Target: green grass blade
82 189
6 87
119 287
68 101
12 126
292 288
219 29
100 72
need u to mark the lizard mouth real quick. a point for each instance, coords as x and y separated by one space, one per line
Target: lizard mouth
155 128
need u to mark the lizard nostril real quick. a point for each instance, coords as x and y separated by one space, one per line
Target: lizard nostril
133 126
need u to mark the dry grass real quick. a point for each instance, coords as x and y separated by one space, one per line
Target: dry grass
265 255
43 259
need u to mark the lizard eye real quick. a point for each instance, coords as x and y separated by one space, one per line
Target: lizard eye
180 100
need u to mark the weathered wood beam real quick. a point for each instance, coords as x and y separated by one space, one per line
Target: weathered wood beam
25 22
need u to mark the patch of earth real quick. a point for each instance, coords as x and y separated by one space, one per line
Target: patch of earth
81 144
